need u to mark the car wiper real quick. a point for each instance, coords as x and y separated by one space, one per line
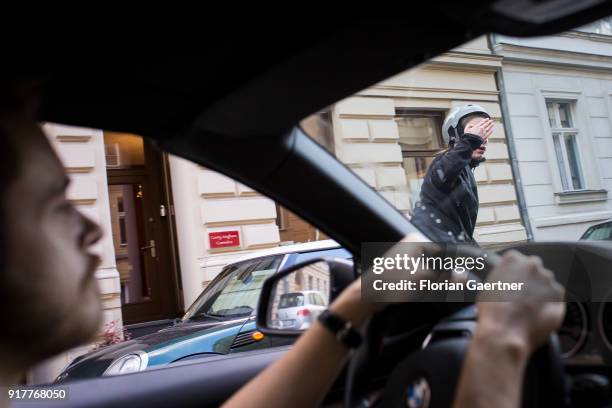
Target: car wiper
202 315
246 310
226 313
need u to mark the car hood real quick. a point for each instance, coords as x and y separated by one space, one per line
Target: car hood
164 346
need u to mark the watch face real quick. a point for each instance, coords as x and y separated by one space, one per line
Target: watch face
418 394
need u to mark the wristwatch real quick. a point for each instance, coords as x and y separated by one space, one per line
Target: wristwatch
343 330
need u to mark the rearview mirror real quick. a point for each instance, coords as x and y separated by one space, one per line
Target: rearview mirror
292 300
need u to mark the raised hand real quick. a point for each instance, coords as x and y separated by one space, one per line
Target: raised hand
482 128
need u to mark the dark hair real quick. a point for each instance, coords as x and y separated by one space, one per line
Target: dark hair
18 98
9 170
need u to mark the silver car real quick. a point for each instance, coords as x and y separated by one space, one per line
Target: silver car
299 310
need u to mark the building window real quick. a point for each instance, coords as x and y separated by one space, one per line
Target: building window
121 220
603 26
112 154
319 127
281 218
123 150
420 138
565 138
293 229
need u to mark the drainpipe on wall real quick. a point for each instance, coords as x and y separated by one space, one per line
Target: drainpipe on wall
516 174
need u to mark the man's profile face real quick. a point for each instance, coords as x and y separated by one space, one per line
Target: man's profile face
48 280
480 152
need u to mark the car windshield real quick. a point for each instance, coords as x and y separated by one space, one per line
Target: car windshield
291 300
236 291
599 232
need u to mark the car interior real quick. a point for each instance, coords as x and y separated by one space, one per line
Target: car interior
234 107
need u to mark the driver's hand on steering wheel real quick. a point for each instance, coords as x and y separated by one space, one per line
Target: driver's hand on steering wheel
508 332
529 316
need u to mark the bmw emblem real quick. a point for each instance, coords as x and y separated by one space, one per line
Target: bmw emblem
418 394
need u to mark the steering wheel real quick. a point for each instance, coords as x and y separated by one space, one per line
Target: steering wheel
428 377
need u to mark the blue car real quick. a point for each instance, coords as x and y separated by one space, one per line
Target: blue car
220 321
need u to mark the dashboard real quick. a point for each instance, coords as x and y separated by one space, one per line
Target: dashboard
586 333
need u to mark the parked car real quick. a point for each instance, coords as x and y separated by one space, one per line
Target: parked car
299 310
598 232
220 321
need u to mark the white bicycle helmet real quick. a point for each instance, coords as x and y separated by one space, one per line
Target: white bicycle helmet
451 128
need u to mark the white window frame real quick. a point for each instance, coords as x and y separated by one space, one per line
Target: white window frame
600 27
121 217
281 216
592 182
423 112
112 155
562 133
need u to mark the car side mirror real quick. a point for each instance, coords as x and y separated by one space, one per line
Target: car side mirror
292 299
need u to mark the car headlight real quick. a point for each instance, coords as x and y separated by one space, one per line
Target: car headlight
130 363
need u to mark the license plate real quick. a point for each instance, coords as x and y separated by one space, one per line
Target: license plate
287 323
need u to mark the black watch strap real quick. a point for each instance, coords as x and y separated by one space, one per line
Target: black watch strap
343 330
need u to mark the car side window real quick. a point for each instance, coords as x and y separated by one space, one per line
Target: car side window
291 300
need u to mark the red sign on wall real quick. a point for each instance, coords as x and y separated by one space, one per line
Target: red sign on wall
224 239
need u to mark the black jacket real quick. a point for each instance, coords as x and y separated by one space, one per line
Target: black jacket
448 204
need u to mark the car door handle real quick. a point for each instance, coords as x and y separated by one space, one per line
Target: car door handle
151 247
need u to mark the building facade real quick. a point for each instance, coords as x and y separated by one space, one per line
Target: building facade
558 92
388 134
